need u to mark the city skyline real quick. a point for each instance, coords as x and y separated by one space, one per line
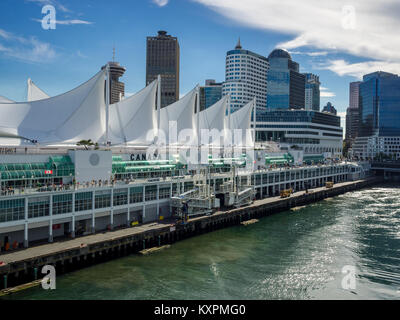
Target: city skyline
83 42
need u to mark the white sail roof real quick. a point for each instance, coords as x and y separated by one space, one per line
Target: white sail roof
213 118
240 121
180 115
5 100
132 118
35 93
64 119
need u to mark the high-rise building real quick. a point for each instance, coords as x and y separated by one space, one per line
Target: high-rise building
312 92
286 86
117 88
210 93
245 77
329 108
162 58
352 113
379 112
352 119
354 94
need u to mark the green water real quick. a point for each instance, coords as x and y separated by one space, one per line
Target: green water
292 255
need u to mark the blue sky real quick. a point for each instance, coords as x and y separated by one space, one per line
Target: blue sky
59 60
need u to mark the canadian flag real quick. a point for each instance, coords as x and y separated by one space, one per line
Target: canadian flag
48 171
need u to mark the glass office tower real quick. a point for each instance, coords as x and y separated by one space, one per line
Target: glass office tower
380 105
210 94
286 86
379 117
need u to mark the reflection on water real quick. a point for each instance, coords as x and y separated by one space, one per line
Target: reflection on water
292 255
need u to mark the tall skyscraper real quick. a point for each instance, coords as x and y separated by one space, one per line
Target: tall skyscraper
286 86
117 88
245 77
210 93
352 119
379 111
312 92
352 113
354 94
162 58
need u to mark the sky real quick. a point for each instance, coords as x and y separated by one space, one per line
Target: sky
338 40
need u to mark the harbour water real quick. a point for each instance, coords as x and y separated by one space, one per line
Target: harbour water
298 254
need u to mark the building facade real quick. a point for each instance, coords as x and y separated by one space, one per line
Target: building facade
245 77
286 86
329 108
354 94
163 58
352 119
379 125
210 93
315 132
352 113
312 92
133 197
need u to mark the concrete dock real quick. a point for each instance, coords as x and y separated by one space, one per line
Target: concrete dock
25 265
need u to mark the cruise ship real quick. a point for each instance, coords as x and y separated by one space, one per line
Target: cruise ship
73 165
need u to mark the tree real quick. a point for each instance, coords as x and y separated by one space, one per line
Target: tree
346 147
87 144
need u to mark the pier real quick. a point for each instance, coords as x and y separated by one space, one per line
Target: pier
25 266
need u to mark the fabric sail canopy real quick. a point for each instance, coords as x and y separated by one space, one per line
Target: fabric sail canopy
35 93
62 120
240 122
5 100
212 120
177 117
132 118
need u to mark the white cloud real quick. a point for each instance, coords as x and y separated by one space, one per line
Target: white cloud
81 55
325 93
74 21
311 54
67 22
26 49
161 3
357 70
326 25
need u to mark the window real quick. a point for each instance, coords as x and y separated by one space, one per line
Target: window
38 207
136 194
12 210
62 204
102 199
83 201
151 193
164 192
120 197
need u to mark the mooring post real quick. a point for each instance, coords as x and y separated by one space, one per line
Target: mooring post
144 244
159 240
35 273
5 281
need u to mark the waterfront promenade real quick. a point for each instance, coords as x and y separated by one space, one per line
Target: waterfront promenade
22 266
